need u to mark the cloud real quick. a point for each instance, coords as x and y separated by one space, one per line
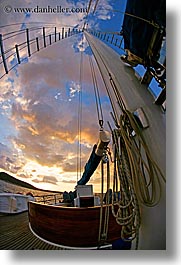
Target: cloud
50 179
46 125
45 179
103 12
36 180
43 114
69 181
40 102
3 149
9 164
62 18
9 160
69 167
22 175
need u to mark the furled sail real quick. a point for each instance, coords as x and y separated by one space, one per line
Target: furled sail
141 19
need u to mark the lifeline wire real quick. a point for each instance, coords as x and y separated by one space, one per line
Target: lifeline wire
79 125
97 95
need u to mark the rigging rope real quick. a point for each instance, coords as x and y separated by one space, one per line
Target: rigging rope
146 174
97 1
125 207
150 22
86 17
97 95
137 177
141 162
79 124
105 84
103 227
89 6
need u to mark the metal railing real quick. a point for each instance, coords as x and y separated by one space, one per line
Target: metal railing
156 71
17 46
49 199
113 38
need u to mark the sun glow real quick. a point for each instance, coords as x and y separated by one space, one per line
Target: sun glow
33 168
45 177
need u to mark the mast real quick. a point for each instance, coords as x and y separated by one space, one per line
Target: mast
136 95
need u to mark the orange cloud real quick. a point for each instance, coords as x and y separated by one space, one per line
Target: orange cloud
44 114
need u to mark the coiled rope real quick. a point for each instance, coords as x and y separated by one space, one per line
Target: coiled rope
145 172
137 177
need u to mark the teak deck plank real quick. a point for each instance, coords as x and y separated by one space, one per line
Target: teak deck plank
15 234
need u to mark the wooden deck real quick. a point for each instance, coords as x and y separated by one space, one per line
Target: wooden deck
15 234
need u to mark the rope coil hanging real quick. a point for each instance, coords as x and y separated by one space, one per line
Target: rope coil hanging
136 178
145 172
125 207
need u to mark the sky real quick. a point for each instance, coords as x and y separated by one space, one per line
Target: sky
39 98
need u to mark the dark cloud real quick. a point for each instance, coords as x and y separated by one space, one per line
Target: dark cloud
42 102
23 176
68 167
45 179
50 179
36 180
69 181
8 161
